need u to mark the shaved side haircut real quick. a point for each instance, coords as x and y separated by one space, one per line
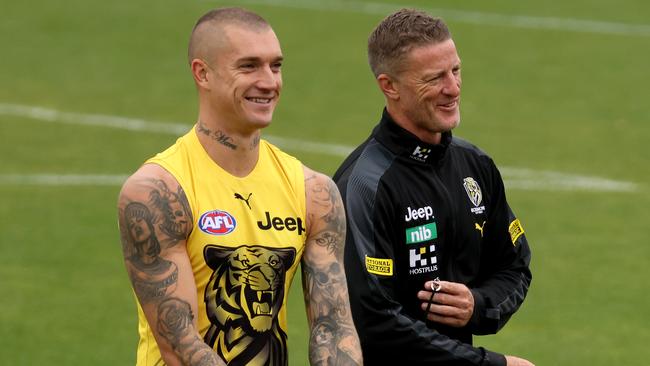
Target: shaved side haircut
400 32
212 24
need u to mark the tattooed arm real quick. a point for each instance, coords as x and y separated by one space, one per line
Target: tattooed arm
333 339
155 221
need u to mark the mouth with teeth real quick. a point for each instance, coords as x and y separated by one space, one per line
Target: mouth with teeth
259 100
449 106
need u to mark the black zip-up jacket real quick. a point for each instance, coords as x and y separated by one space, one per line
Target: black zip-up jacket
417 212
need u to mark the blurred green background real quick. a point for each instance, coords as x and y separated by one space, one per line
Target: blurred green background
555 91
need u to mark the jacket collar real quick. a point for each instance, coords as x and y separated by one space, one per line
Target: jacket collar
403 143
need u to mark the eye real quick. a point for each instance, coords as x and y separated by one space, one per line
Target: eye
276 66
249 66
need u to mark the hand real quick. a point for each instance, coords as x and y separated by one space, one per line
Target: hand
452 304
516 361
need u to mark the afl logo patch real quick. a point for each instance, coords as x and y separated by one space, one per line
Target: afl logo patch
217 223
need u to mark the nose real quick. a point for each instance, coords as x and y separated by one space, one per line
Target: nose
269 78
452 85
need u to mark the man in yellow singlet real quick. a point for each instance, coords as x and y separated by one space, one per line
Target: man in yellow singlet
213 228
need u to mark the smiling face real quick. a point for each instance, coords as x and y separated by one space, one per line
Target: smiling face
425 94
244 77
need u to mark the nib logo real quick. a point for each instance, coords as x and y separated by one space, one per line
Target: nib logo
422 233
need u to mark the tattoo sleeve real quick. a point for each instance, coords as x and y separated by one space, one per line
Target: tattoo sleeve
148 228
333 338
175 324
155 220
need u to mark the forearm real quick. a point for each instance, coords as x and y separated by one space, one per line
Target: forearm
176 327
333 339
391 337
497 299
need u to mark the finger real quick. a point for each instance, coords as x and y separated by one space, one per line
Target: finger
425 295
456 301
452 287
440 310
450 321
432 285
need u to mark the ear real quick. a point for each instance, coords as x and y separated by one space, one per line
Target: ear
200 71
388 86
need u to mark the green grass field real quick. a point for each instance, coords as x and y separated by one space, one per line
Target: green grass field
555 91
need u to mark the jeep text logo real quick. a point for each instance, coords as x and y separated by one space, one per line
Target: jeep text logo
420 213
279 224
217 223
421 233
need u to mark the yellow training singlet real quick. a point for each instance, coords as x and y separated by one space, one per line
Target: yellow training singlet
246 243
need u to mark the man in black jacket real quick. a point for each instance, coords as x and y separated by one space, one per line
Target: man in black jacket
434 253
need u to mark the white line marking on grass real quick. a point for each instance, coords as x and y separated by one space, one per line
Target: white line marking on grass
62 179
135 124
514 178
470 17
52 115
527 179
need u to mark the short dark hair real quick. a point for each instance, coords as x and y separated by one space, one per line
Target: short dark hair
400 32
225 16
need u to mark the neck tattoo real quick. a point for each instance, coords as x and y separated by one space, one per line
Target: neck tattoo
218 135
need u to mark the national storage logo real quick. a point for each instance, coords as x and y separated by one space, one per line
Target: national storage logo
379 266
217 223
421 233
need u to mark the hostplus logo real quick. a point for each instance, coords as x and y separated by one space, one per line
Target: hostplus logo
420 154
423 260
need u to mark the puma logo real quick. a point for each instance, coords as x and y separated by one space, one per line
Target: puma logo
479 227
240 197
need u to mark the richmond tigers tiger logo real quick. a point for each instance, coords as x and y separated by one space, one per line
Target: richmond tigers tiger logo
243 299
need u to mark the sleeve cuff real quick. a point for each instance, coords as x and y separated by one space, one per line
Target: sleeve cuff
494 359
479 308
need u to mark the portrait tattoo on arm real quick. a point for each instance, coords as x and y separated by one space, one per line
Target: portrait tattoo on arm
333 339
147 230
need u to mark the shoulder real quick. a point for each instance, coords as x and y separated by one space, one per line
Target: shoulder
470 151
148 176
364 169
315 181
323 200
154 195
467 147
